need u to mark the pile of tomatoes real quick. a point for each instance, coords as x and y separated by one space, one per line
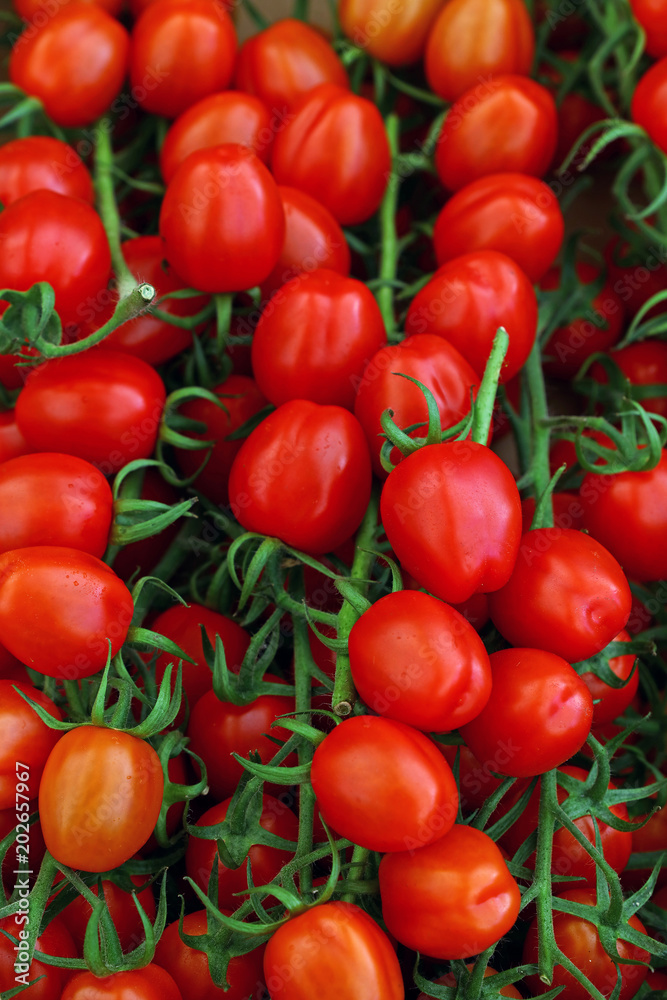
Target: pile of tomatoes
333 501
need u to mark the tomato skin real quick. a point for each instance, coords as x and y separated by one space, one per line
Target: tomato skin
580 942
55 939
450 899
314 338
189 967
103 406
642 363
394 33
513 213
567 595
99 797
222 221
149 983
431 360
651 16
472 40
50 237
357 959
539 714
186 48
452 514
53 63
322 499
265 862
25 738
612 702
41 162
51 499
28 8
335 148
58 608
313 239
217 119
466 301
648 102
512 126
285 61
383 785
418 661
124 913
12 442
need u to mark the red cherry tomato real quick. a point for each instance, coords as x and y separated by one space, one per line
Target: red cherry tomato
417 660
38 161
466 301
450 899
613 701
648 102
473 40
148 983
26 744
652 16
222 221
567 594
513 213
55 939
12 442
335 148
75 63
394 33
182 51
538 715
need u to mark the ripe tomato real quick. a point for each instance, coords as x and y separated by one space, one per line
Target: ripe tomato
450 899
189 968
648 101
58 608
612 701
265 862
567 595
335 148
217 119
222 221
578 939
383 785
643 363
149 983
182 51
466 301
539 714
285 61
75 63
38 161
318 457
432 361
51 499
394 33
99 797
314 338
26 742
55 939
124 913
51 237
104 406
12 442
417 660
513 213
474 40
510 126
452 515
334 951
651 15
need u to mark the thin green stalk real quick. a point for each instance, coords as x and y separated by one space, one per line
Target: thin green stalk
539 462
390 250
486 397
138 299
108 209
357 871
303 691
545 832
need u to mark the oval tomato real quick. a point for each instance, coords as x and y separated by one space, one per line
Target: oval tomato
652 16
648 102
149 983
99 797
393 33
26 742
41 162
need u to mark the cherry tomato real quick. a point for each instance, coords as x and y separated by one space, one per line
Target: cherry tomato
217 119
651 15
27 742
38 161
613 701
12 442
319 457
99 797
452 515
55 939
539 714
643 363
285 61
59 608
335 148
648 102
334 951
513 213
51 499
417 660
450 899
75 63
182 51
124 913
567 595
104 406
51 237
510 126
222 222
466 301
432 361
314 338
148 983
393 32
474 40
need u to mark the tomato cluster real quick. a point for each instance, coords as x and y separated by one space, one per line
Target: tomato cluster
333 501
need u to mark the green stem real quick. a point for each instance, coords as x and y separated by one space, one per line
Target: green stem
139 298
539 462
390 250
223 318
486 397
344 694
303 689
356 872
108 209
545 832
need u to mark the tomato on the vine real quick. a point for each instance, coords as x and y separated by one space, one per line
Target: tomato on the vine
42 162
